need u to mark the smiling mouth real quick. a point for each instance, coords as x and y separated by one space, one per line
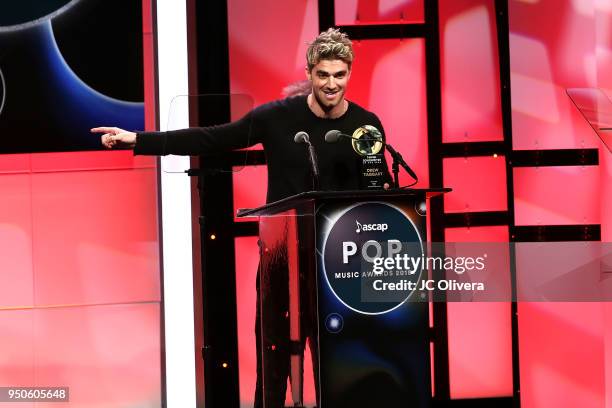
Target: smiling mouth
330 95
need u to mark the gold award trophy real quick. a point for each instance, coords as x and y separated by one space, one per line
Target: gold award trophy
367 142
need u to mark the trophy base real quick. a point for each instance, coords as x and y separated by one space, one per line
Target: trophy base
372 172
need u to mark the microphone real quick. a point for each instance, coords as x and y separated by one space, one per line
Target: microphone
302 137
333 136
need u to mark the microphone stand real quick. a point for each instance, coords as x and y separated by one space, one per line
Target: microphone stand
315 168
398 161
395 171
302 137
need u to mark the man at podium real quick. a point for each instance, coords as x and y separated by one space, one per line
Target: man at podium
275 124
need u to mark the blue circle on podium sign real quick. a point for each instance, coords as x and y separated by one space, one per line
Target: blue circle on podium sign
334 323
373 257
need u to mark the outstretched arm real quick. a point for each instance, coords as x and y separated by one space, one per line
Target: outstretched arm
191 141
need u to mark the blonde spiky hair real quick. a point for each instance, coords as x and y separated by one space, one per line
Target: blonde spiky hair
329 45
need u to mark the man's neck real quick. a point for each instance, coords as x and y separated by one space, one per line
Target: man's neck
333 113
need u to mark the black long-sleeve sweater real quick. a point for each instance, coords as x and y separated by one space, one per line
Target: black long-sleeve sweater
274 125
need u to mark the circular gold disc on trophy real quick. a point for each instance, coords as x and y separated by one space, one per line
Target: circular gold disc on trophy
367 140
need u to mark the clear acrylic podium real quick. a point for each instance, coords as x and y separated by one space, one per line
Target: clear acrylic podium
322 283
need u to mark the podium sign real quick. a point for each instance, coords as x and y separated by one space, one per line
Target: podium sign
333 271
373 328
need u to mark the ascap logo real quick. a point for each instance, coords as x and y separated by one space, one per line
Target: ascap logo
370 227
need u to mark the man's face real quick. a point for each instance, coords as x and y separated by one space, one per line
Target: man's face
329 80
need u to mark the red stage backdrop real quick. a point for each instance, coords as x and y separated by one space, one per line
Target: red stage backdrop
79 262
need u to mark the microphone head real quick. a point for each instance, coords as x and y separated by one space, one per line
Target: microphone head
301 137
332 136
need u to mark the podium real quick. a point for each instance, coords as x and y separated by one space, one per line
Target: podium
334 275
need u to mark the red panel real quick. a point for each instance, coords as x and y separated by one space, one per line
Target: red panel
16 283
97 160
603 24
109 356
389 79
480 349
17 359
265 51
249 188
147 17
350 12
95 237
478 183
556 195
480 334
14 163
547 56
561 355
149 80
469 63
247 259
